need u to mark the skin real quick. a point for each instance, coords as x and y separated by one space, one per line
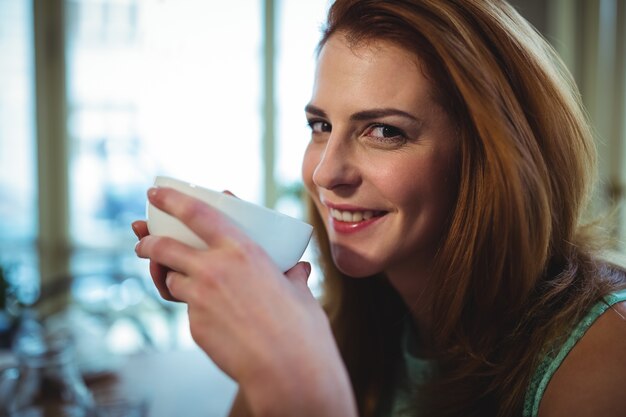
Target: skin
592 378
277 346
379 145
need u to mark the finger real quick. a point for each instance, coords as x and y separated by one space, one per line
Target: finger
158 273
299 274
228 192
207 222
140 227
168 252
179 285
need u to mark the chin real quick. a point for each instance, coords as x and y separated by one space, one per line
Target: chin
355 266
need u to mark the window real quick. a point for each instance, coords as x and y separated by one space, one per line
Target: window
18 191
158 87
152 87
299 30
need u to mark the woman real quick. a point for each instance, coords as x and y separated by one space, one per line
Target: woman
448 170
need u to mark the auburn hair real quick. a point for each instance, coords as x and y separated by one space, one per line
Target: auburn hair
515 267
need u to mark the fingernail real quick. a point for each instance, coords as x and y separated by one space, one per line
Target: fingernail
135 231
152 192
307 268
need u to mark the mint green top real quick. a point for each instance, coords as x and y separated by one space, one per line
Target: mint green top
418 371
415 371
551 362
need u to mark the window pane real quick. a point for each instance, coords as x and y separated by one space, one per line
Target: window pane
159 87
18 218
299 30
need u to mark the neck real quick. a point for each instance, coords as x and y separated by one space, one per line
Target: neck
411 284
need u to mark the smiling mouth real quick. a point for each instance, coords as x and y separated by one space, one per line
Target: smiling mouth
350 216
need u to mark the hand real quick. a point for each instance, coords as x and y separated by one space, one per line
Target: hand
158 272
260 326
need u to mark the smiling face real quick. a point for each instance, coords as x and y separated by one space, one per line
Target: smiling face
381 166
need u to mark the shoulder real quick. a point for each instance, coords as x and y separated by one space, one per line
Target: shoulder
591 379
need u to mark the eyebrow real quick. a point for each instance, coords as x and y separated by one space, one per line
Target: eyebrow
366 114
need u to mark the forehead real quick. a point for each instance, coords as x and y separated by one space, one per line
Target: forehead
377 72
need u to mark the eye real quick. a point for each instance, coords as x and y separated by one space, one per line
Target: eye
385 133
319 126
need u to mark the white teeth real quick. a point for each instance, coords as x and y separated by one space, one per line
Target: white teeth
351 216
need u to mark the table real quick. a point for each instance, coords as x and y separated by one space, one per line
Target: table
176 383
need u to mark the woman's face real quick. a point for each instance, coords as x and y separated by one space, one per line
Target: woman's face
381 165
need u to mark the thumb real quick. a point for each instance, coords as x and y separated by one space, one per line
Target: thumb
299 274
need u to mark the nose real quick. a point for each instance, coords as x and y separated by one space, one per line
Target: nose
337 167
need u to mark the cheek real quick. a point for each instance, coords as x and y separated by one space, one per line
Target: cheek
417 184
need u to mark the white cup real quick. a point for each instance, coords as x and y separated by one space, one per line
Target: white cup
284 238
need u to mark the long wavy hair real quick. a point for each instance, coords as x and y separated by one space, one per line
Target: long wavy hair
515 267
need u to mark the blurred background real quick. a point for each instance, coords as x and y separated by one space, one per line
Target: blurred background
99 96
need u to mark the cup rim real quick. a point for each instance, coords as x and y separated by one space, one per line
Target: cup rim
234 199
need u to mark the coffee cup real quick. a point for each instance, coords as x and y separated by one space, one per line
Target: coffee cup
284 238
